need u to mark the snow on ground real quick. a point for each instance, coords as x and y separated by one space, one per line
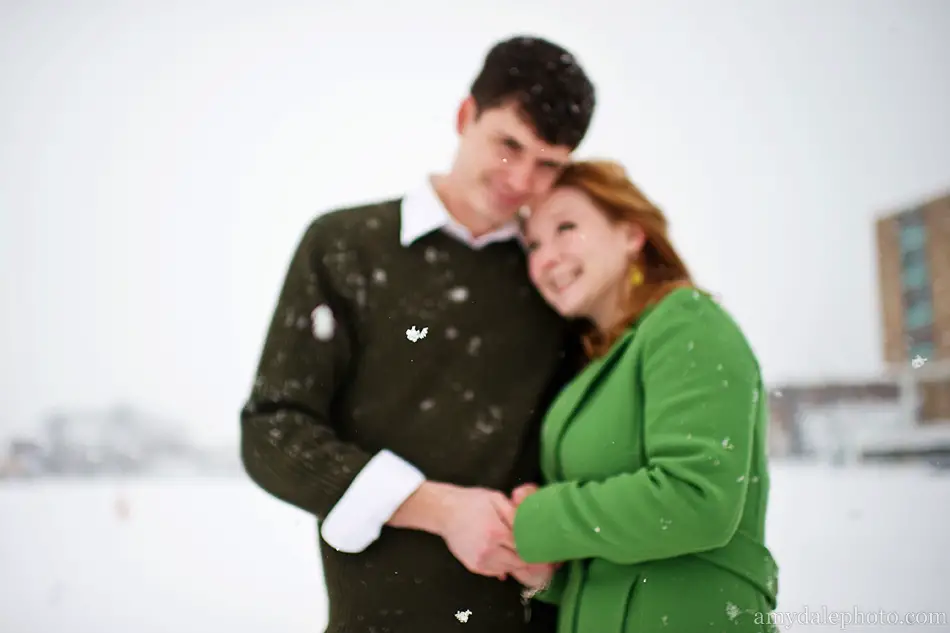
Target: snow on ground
204 555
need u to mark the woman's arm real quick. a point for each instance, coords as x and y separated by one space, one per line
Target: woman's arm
701 387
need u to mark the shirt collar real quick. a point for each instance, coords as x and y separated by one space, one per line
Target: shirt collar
423 212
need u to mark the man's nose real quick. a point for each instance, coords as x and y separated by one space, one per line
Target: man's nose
520 175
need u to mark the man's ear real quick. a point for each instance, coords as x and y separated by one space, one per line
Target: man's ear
466 114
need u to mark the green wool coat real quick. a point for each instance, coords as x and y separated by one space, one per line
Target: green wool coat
656 482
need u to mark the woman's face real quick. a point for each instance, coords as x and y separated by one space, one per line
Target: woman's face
578 260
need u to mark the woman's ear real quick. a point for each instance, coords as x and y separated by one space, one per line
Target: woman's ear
635 238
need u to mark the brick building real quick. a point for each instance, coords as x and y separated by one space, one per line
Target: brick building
913 248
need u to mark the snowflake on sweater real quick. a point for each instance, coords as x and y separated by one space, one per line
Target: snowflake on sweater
414 335
322 322
462 616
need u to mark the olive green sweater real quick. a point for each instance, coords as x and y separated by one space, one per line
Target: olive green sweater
463 403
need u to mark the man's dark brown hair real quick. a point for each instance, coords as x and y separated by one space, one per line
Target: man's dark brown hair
553 92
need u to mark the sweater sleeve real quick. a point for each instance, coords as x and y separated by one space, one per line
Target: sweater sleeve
701 386
289 446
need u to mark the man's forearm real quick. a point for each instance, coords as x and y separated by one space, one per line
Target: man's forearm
425 509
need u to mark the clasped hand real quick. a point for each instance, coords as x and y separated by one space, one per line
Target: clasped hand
480 535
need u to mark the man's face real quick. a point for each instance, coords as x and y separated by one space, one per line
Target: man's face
501 164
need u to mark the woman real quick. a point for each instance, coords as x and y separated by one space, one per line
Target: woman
652 517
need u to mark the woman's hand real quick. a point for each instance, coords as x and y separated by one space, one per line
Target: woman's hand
537 575
520 493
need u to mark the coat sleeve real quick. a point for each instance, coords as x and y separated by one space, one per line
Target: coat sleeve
555 589
701 385
290 446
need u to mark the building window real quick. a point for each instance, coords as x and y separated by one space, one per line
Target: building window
913 237
925 350
913 296
915 275
919 314
913 245
916 285
920 341
913 257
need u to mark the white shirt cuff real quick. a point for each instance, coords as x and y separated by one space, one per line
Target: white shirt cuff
376 493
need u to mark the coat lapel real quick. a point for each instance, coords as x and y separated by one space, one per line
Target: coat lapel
576 395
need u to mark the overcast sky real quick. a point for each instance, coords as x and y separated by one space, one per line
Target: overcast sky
158 163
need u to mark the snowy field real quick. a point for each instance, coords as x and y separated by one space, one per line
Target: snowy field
190 556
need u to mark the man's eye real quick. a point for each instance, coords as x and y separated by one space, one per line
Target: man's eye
565 226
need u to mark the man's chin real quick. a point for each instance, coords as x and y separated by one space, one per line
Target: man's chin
499 210
500 216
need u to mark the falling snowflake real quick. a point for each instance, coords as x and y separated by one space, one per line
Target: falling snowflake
321 322
462 616
732 611
414 335
473 344
458 294
484 427
918 361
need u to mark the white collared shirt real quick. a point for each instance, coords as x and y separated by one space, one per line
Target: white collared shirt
388 480
424 212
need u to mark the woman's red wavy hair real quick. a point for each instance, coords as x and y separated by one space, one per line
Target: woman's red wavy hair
606 183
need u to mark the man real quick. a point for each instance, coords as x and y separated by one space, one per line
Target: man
409 361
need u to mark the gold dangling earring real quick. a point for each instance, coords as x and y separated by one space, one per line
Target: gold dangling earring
636 276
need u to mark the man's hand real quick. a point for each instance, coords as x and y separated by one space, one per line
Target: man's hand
477 530
476 525
474 522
